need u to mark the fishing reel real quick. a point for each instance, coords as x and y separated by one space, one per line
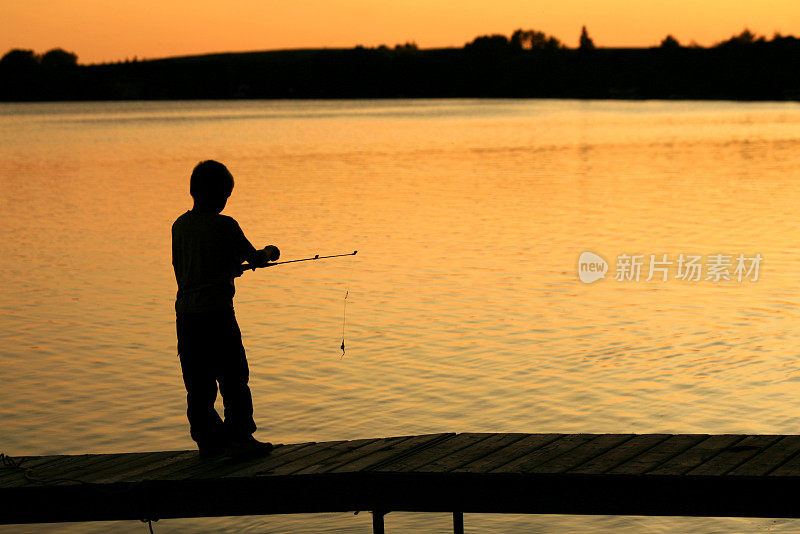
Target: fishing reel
273 253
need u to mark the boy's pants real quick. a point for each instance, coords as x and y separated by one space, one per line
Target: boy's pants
210 349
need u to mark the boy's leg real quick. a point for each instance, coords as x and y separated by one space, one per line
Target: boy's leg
233 377
197 354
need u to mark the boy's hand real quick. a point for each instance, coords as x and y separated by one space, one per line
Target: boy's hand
260 258
272 253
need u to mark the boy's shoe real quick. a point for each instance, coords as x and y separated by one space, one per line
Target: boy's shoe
248 447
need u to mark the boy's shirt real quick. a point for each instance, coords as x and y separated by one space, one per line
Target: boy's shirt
207 249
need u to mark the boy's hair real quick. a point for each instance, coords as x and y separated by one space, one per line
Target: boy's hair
211 179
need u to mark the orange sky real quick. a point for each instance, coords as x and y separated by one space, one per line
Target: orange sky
108 30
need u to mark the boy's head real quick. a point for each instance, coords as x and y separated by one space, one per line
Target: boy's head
211 185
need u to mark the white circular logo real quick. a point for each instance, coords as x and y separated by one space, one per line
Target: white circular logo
591 267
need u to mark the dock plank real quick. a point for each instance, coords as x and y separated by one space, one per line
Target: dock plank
369 450
619 454
475 451
554 449
325 454
127 471
439 450
790 468
116 463
508 453
383 455
732 456
9 473
191 466
60 470
771 458
186 466
657 455
264 466
581 454
698 454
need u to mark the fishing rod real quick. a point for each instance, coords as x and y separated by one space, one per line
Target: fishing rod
251 267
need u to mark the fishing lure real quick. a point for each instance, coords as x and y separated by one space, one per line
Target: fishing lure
344 320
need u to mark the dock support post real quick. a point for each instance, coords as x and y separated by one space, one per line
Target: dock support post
377 522
458 522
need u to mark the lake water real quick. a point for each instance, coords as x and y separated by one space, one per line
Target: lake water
465 311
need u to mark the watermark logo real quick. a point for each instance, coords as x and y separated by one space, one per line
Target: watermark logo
591 267
661 267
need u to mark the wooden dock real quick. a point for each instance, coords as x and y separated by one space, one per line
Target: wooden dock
617 474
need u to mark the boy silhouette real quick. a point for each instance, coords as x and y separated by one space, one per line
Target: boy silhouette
207 253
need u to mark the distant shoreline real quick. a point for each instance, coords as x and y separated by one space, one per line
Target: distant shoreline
752 71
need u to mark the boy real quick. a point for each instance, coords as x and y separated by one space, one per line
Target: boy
207 253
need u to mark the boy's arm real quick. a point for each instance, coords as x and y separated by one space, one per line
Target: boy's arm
247 252
257 257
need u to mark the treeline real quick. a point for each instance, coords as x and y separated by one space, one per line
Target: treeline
528 63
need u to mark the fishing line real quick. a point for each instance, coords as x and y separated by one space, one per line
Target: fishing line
344 302
344 319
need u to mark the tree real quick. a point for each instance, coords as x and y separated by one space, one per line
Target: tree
19 59
408 46
533 40
670 43
745 38
488 45
58 58
21 73
586 42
